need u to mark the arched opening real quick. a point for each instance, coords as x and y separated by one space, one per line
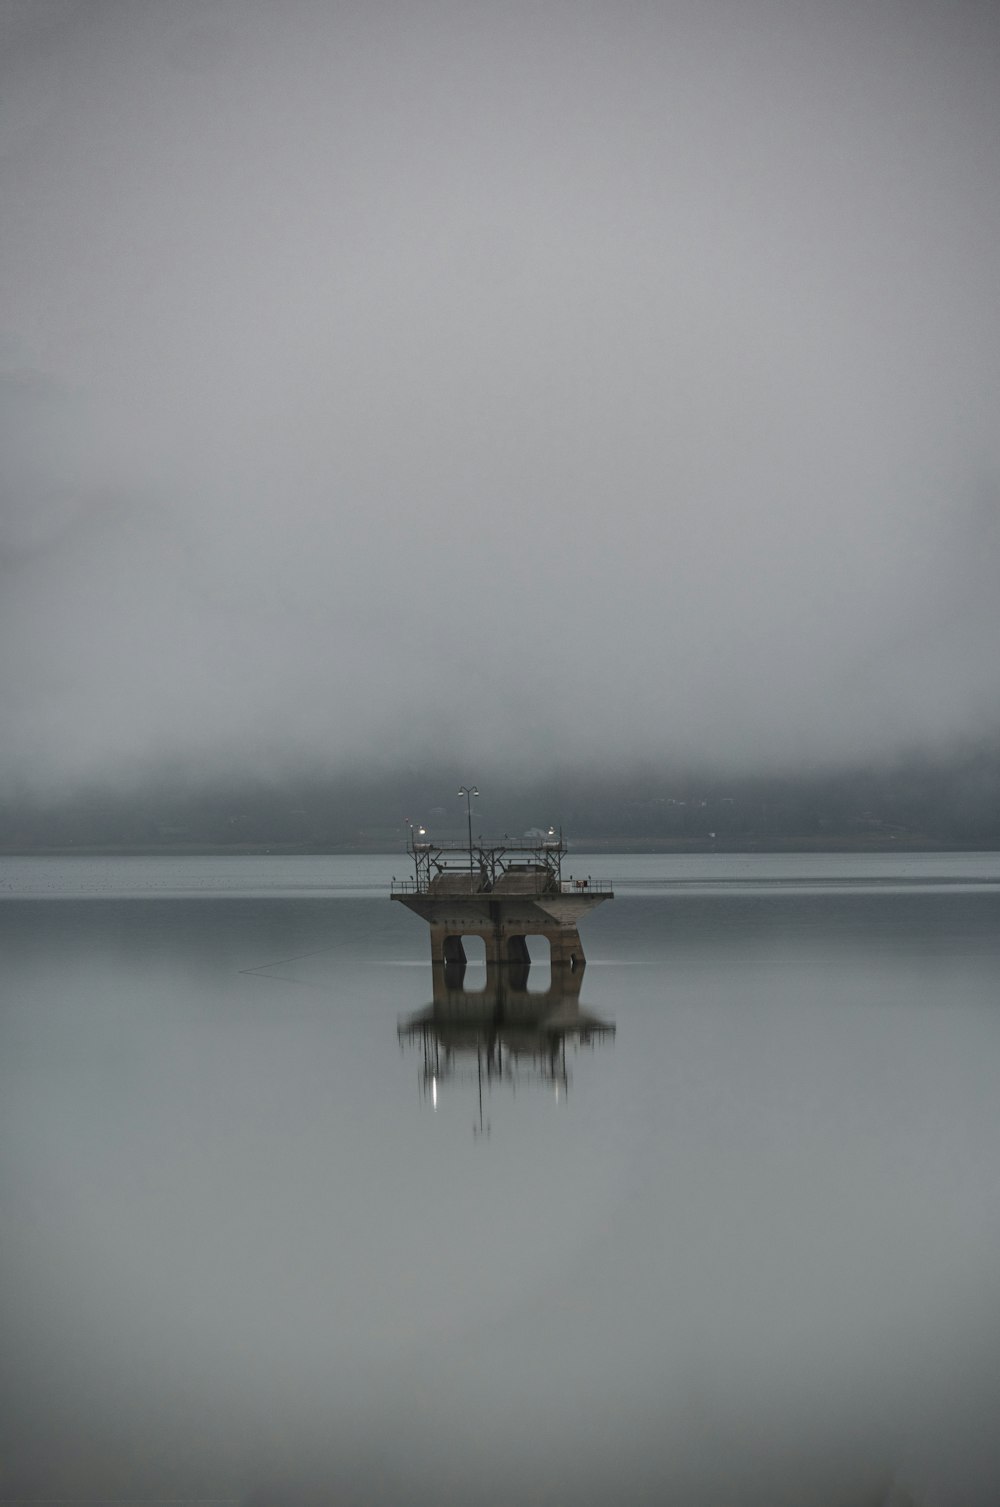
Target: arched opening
475 952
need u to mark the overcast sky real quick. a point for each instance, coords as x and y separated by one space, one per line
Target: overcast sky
525 382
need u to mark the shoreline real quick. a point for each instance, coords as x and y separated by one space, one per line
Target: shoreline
584 844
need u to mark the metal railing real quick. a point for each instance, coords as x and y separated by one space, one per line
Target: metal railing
566 887
489 844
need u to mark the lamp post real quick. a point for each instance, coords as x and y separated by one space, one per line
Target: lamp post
468 791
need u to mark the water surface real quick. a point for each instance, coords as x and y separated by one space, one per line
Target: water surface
745 1249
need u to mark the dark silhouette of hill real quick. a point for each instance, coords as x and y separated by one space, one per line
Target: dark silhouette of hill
919 804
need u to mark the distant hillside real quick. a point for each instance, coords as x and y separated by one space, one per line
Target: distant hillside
917 805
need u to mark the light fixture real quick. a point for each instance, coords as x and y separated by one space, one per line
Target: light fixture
469 791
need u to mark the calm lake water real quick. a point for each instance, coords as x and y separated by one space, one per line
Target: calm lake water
262 1246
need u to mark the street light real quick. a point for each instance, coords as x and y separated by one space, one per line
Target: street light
468 791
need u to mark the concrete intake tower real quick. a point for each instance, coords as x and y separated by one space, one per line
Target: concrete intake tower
503 891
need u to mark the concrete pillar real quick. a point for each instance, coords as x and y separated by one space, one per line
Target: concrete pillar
517 949
453 951
566 947
446 946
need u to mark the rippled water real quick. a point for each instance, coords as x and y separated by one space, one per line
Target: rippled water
261 1244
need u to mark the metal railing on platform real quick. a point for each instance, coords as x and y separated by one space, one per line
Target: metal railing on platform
490 844
567 887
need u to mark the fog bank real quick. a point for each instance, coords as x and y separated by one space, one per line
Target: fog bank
560 382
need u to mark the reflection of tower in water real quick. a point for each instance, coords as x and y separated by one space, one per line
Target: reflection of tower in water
503 1032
